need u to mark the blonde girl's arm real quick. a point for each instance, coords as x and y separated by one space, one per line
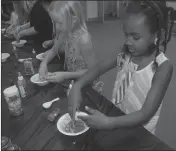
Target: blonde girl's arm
154 98
58 41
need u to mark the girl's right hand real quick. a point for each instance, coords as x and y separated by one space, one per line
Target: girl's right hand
74 100
47 43
43 71
16 31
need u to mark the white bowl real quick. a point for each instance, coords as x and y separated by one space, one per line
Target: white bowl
40 56
36 80
65 119
9 36
3 30
19 44
4 56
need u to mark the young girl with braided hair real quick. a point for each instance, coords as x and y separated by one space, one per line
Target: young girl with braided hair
143 71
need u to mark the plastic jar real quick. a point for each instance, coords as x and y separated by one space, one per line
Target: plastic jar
13 100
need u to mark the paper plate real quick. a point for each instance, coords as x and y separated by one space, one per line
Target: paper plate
65 119
4 56
9 36
35 79
40 56
3 30
19 44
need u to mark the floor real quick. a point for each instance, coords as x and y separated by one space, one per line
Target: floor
108 38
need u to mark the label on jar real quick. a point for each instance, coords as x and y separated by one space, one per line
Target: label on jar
15 106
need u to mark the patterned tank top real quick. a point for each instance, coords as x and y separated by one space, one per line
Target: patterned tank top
75 60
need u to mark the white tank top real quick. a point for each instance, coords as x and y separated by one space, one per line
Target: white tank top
135 94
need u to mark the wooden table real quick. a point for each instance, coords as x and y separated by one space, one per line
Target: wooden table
33 131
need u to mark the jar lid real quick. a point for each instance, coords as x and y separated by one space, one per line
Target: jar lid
11 91
13 147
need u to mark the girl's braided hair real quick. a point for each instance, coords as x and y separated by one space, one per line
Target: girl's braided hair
158 18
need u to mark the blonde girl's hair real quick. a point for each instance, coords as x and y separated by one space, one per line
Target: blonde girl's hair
69 14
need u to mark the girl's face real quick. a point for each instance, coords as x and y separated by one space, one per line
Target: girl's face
138 37
57 17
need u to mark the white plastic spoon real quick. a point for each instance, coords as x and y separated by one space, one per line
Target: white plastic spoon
47 105
21 60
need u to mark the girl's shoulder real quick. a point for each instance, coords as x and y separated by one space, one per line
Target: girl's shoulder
85 38
161 58
85 42
164 64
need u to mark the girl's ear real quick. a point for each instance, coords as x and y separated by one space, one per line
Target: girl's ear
154 38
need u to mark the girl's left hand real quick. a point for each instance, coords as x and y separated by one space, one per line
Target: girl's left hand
17 37
95 119
56 77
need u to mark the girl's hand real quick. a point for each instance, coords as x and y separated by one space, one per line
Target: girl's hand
17 37
74 100
47 43
43 71
16 31
95 119
56 77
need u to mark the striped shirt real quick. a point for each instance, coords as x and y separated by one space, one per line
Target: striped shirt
131 88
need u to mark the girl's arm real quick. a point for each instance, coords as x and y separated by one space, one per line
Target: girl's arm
93 73
74 75
55 49
154 98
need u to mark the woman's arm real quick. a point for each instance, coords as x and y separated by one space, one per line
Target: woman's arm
27 32
25 26
154 98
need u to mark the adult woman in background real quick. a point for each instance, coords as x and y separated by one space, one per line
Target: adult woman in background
40 26
20 15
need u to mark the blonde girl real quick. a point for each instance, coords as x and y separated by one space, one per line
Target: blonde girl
73 39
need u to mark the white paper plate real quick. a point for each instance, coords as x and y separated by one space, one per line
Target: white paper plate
10 36
4 56
40 56
35 79
19 44
3 30
65 119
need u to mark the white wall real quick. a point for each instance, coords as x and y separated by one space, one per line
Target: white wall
172 4
92 9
